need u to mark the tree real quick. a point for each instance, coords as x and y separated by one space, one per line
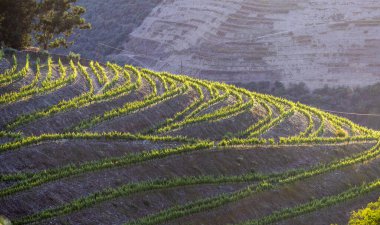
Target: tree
16 19
56 21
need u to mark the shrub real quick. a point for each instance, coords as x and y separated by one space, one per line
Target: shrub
367 216
74 56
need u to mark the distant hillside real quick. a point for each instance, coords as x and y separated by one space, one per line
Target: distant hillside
91 143
112 22
319 42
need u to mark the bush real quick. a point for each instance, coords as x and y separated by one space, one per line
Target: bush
74 56
367 216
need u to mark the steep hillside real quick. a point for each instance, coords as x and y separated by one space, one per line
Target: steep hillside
318 42
112 22
87 143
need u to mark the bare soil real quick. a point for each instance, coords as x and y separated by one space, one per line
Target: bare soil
291 126
215 162
147 117
338 214
217 130
55 154
124 209
291 195
11 111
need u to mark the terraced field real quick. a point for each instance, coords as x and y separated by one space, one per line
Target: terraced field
318 42
87 143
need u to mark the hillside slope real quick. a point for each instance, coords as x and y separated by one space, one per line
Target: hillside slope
87 143
318 42
110 25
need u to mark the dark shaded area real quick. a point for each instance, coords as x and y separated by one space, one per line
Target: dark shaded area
112 22
16 18
364 100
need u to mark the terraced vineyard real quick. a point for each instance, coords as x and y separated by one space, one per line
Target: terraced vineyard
87 143
318 42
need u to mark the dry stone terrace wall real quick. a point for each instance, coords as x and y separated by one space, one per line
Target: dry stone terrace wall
318 42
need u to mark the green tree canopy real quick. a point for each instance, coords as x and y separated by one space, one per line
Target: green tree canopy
48 23
56 21
16 17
